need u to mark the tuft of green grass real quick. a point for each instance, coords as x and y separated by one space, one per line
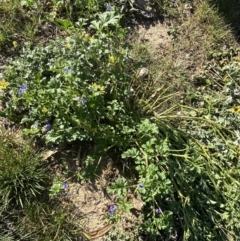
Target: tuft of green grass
42 221
23 177
48 221
26 213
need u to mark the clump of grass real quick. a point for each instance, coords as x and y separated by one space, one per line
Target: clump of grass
26 213
18 24
46 221
22 175
41 221
204 31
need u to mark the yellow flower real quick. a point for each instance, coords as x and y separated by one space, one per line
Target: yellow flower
237 58
3 84
111 59
15 44
98 87
90 39
235 109
83 33
68 45
208 81
204 148
226 79
44 109
101 88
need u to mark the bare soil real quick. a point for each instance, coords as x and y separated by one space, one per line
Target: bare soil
154 34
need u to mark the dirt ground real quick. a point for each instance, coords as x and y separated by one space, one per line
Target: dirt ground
90 198
154 34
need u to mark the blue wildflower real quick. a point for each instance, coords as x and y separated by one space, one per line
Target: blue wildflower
20 91
141 185
67 70
47 127
84 100
24 87
109 8
159 211
65 185
112 210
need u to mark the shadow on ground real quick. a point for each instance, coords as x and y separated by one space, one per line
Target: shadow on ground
230 9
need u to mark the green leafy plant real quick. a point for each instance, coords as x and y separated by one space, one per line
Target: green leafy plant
119 187
82 86
117 234
57 186
211 117
177 181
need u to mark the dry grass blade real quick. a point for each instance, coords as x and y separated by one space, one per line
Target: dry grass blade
100 232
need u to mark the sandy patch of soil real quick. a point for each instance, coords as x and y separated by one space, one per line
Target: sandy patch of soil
153 33
92 204
90 199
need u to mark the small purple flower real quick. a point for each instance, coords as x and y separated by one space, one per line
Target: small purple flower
159 211
84 100
141 185
65 185
47 127
109 8
67 70
24 87
20 91
112 210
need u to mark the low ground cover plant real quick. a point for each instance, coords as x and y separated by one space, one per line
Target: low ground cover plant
73 88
